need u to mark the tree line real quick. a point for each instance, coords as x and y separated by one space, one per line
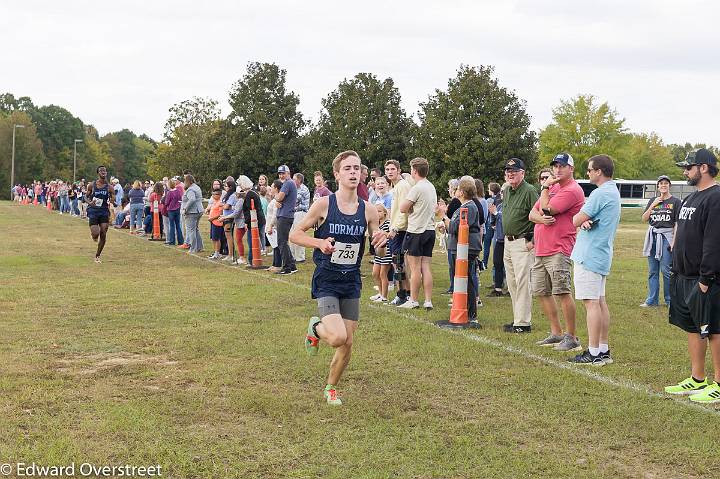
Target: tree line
472 126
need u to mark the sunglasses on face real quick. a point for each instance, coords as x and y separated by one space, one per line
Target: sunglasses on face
543 178
591 169
689 167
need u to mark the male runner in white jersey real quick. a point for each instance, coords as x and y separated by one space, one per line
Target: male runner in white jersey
340 221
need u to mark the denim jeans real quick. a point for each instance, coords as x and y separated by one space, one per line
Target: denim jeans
64 204
487 243
74 206
174 228
655 267
136 219
452 256
120 218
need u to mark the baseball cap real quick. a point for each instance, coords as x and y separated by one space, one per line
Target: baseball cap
663 177
701 156
514 164
563 159
283 169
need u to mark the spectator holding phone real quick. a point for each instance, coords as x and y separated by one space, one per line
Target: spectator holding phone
561 198
592 257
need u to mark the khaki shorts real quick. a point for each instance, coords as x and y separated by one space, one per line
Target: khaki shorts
551 275
588 284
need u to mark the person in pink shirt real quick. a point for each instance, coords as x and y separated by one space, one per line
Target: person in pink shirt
561 197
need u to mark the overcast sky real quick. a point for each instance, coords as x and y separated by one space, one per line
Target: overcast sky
122 64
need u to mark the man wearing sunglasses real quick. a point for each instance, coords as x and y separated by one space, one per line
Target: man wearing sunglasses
561 198
592 257
694 288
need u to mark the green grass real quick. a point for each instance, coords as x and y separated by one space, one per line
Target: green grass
155 357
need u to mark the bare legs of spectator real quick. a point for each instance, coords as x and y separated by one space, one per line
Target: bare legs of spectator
598 321
567 304
420 274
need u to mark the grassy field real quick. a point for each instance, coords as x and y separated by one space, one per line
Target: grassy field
155 357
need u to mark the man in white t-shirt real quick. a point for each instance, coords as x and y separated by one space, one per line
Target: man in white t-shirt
419 204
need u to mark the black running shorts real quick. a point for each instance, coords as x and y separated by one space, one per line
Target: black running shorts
98 220
691 309
420 244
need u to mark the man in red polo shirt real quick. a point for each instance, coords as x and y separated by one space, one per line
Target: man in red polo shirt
561 197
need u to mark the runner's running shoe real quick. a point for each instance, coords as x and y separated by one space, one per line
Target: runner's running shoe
330 394
312 342
687 387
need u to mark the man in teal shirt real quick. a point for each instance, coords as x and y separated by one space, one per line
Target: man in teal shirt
592 256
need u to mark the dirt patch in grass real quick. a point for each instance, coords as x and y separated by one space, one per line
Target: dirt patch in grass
91 364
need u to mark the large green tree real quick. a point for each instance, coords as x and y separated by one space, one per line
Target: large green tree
473 127
584 128
29 156
363 114
263 130
189 142
128 154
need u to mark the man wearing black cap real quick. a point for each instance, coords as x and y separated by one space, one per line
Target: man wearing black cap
561 198
285 202
694 283
661 214
520 196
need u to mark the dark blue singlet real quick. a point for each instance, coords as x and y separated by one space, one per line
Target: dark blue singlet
101 194
338 274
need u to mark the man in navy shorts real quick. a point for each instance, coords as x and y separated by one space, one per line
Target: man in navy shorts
343 219
99 195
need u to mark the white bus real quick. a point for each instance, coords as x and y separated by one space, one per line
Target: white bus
636 193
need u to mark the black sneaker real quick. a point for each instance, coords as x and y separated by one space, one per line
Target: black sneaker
448 292
607 359
496 293
289 271
586 358
511 328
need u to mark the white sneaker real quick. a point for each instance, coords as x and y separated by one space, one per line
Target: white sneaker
228 258
378 299
410 304
240 261
375 296
428 305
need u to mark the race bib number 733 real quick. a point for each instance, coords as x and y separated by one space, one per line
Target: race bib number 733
345 253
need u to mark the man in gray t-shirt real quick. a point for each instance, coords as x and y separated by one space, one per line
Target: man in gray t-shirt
285 203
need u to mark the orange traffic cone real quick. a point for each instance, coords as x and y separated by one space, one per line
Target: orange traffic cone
49 204
459 311
257 262
35 201
156 222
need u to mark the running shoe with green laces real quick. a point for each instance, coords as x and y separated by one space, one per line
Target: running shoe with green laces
330 394
709 395
312 342
687 386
